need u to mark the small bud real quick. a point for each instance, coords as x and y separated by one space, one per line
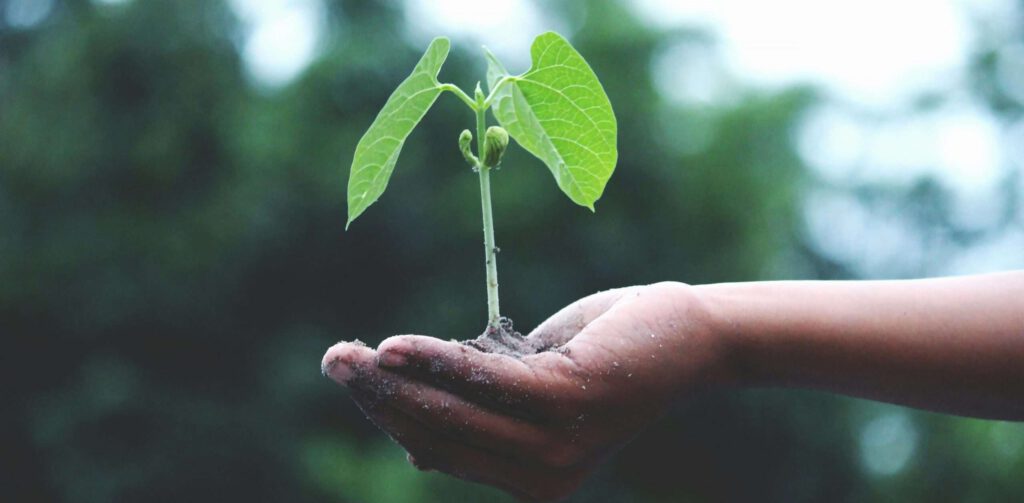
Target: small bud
465 144
495 143
478 93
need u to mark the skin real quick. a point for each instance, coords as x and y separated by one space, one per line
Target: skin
537 426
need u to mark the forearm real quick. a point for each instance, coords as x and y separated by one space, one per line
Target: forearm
949 344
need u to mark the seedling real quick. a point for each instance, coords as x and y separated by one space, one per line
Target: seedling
556 110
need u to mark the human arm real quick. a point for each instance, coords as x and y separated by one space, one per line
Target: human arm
952 345
537 425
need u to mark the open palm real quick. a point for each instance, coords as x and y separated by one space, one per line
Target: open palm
537 425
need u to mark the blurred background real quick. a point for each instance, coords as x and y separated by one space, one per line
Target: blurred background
173 262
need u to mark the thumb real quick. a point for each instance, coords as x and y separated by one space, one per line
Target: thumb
562 326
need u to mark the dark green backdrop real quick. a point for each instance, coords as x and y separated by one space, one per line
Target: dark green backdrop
173 265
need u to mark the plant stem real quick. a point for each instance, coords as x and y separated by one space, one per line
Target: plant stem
452 88
497 87
490 250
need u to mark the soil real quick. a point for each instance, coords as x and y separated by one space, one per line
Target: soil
506 341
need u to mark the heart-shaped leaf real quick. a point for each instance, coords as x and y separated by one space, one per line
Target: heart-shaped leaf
379 147
559 112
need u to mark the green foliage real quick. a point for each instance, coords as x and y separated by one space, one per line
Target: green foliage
559 112
378 149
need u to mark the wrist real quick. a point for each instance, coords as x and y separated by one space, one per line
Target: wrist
709 355
727 322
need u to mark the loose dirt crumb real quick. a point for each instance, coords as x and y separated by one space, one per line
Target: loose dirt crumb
506 341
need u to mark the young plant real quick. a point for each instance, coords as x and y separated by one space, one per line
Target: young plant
556 110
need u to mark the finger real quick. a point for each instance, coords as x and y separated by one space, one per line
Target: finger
504 383
499 382
343 360
452 415
434 451
562 326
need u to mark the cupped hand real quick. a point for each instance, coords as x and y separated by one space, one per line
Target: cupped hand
537 425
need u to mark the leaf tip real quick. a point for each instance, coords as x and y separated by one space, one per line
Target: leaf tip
549 34
443 43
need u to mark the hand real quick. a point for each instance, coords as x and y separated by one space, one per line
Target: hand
537 426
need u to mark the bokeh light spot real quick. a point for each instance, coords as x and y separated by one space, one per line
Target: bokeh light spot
887 443
27 13
282 37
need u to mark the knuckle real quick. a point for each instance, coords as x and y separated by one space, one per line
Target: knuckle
562 455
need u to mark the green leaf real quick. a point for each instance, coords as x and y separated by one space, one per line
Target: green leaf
379 147
559 112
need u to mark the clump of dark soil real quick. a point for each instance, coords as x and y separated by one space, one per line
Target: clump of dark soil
504 340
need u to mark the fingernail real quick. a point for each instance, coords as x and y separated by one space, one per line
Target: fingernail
391 359
337 370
